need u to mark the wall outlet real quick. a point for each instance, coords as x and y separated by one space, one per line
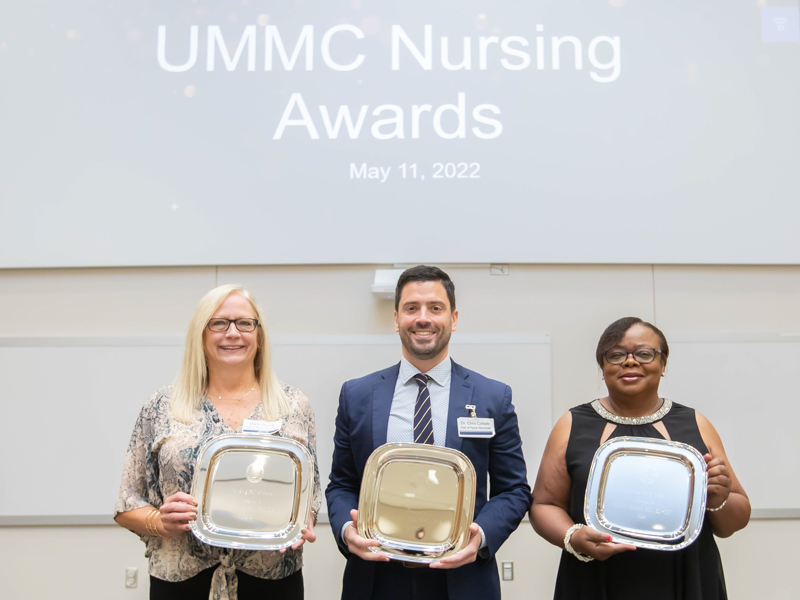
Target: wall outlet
508 571
131 577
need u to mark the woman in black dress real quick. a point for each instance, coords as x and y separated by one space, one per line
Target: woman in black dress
633 357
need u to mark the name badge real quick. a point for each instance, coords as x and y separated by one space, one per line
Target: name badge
261 427
472 427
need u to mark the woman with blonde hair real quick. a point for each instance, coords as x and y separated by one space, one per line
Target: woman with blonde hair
226 377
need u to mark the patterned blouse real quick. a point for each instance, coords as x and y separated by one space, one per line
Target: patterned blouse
160 462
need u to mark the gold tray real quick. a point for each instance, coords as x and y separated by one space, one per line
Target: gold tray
253 492
417 500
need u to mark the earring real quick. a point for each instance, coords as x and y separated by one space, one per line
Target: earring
663 374
603 378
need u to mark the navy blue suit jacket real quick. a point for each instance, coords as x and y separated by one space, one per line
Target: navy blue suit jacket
361 425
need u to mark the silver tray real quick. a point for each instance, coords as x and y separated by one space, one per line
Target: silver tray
417 500
647 492
253 492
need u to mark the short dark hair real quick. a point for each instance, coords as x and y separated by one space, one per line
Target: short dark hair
617 330
424 273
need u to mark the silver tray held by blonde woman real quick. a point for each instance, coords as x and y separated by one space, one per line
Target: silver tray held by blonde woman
253 492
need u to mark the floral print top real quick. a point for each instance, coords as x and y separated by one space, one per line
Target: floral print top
160 462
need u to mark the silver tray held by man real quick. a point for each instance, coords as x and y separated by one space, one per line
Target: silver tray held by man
417 500
253 492
647 492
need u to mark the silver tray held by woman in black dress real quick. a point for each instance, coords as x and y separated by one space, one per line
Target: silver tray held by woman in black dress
417 500
253 492
647 492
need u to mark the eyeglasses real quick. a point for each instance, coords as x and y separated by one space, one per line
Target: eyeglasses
244 324
617 356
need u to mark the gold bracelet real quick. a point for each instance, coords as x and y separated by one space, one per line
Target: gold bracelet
147 522
150 524
147 525
154 523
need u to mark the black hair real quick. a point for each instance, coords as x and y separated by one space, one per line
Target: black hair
424 273
617 330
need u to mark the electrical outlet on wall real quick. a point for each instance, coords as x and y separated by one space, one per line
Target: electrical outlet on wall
131 577
508 571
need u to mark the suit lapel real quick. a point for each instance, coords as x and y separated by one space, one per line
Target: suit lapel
382 394
460 395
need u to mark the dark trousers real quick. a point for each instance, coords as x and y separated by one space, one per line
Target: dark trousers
250 588
393 581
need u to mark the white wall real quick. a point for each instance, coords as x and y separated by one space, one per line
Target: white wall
572 303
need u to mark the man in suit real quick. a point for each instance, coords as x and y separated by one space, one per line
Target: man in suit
420 399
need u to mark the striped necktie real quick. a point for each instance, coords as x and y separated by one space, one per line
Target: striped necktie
423 423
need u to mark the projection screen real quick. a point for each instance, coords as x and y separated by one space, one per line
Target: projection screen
325 131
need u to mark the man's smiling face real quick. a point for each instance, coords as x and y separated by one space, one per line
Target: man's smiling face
425 321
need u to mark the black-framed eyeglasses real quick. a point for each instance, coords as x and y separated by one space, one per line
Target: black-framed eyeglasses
244 324
617 356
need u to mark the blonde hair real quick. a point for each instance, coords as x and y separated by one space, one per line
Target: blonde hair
191 384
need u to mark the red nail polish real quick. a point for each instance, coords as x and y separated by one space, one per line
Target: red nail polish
608 538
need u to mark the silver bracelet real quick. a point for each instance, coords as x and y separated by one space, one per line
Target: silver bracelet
568 547
718 508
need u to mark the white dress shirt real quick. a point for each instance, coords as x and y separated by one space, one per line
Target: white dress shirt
406 390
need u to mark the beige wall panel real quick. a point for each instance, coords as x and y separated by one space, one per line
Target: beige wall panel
757 562
88 563
101 302
728 298
535 565
316 299
323 566
572 299
70 563
573 303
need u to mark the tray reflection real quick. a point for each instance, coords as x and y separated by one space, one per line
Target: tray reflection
647 492
417 500
253 492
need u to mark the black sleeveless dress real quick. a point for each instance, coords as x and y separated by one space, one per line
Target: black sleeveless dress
693 573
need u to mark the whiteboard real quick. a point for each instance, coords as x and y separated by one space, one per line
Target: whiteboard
70 411
69 426
748 389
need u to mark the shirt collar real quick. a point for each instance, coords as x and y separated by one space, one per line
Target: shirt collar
440 374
